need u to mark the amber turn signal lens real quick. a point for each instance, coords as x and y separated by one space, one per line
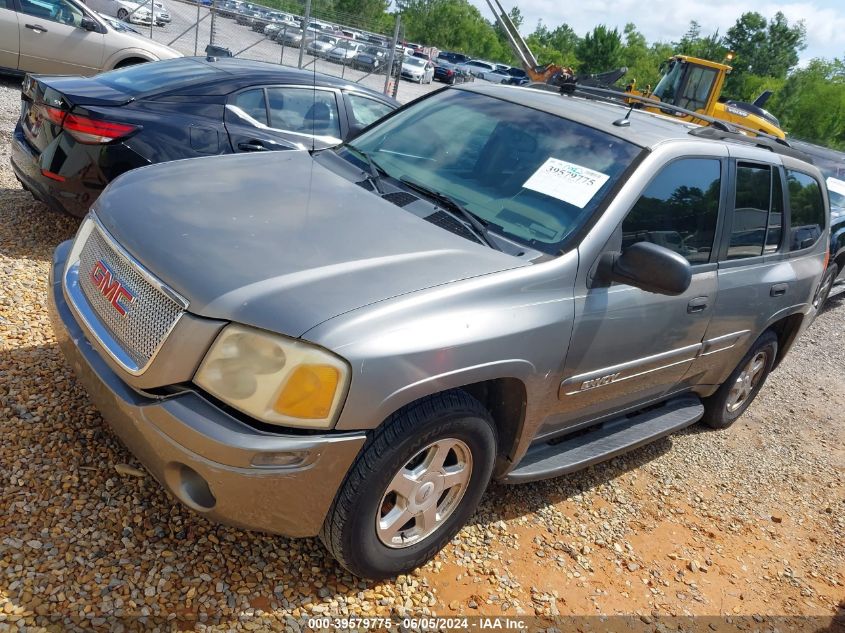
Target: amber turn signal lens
309 392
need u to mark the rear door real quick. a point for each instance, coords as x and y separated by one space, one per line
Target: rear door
9 35
52 39
263 118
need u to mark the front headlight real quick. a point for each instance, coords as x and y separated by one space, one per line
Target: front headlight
274 379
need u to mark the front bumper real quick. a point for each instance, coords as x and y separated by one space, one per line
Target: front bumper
200 454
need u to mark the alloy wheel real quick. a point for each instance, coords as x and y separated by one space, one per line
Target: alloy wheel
747 380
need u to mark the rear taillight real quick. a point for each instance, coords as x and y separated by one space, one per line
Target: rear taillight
87 130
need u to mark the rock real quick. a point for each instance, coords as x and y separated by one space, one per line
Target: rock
126 469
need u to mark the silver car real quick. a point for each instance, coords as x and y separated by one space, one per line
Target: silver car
66 37
490 282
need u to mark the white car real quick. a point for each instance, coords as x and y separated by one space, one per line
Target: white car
418 69
132 11
64 37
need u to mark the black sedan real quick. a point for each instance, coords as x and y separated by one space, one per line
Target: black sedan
450 73
77 134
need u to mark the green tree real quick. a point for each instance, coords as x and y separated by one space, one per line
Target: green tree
763 48
811 104
360 12
694 44
600 50
554 46
452 25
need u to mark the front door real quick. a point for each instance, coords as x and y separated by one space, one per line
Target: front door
52 39
630 346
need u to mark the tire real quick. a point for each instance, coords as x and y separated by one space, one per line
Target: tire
452 424
724 407
825 287
122 14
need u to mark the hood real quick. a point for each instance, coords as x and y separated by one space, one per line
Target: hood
278 241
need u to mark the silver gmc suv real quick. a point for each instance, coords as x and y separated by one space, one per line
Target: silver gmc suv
490 282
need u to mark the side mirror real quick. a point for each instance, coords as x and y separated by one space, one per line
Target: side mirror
89 24
652 268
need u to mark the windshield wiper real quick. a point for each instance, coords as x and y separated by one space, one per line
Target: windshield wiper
450 204
373 169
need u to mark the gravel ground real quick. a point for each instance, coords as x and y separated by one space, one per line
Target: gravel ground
744 521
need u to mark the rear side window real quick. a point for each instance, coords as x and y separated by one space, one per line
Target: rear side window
807 210
758 208
679 209
252 103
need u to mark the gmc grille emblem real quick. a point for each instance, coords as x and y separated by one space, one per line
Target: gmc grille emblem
115 292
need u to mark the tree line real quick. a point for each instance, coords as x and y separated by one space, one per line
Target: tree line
808 101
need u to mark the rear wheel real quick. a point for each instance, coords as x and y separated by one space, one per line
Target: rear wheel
414 485
736 394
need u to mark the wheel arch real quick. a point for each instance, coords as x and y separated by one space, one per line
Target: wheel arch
787 330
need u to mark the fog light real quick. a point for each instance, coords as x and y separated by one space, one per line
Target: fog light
279 460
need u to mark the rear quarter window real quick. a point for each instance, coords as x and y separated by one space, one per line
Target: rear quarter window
807 210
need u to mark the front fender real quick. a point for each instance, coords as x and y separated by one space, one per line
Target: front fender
514 324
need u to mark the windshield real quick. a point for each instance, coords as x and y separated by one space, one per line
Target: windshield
669 84
414 61
532 176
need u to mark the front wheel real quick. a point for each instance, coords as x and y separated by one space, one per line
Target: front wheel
736 394
416 482
122 14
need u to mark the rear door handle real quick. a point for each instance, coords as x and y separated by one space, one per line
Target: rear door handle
699 304
778 290
36 27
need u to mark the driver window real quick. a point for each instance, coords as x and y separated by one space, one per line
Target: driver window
53 10
679 209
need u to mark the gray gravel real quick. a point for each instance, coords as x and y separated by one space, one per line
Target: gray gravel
748 520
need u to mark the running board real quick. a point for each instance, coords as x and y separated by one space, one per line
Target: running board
608 440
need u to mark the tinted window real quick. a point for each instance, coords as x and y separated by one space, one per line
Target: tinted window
165 75
751 211
679 209
366 110
252 103
5 4
53 10
807 210
533 175
304 110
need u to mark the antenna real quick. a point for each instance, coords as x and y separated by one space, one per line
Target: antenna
625 121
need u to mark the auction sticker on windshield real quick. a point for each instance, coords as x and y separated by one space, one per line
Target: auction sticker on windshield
566 181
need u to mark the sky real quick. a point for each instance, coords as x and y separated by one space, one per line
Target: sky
667 20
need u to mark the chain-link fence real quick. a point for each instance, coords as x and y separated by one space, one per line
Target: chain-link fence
300 36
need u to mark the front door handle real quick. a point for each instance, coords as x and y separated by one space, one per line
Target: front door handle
36 27
778 290
699 304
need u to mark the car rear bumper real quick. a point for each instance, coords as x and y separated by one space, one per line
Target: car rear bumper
200 454
53 193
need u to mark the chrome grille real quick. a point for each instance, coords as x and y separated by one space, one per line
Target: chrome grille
148 318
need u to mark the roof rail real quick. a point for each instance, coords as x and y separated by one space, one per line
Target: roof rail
721 124
780 147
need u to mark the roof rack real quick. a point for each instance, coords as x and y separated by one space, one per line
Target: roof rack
720 124
780 147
